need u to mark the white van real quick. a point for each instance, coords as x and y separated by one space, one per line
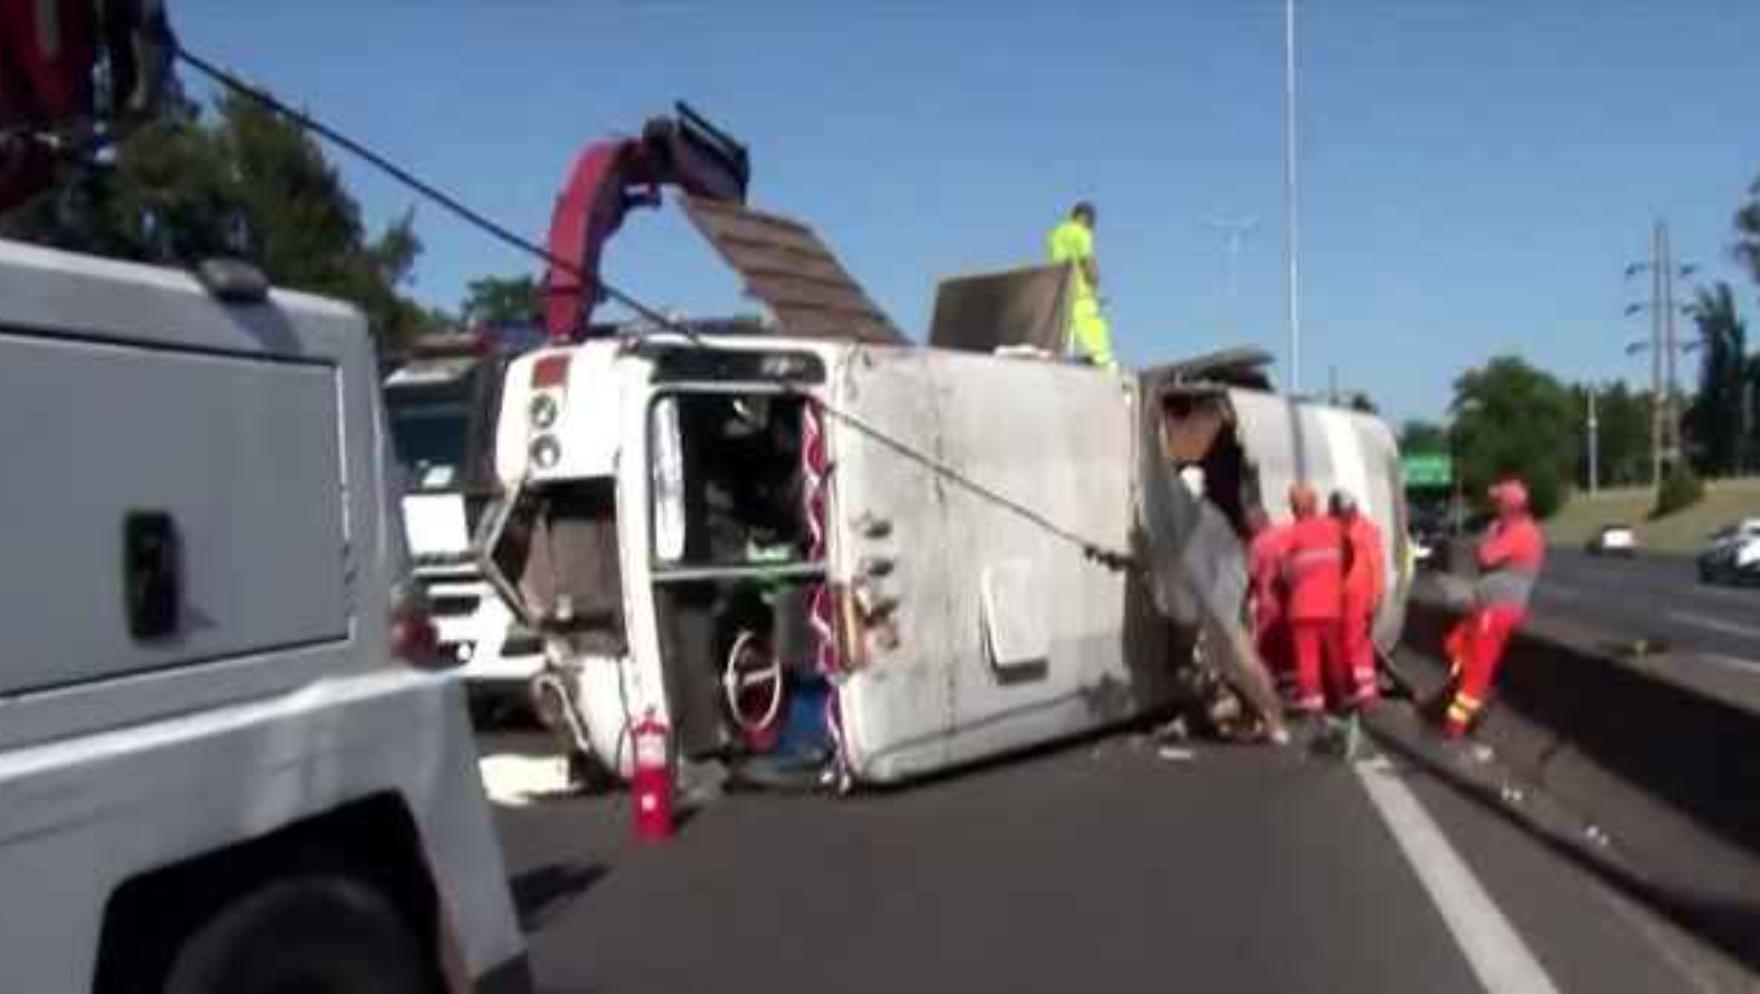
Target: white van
216 772
702 529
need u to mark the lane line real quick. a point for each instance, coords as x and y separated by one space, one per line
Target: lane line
1499 958
1716 624
1734 595
1737 663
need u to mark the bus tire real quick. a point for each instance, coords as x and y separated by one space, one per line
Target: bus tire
319 933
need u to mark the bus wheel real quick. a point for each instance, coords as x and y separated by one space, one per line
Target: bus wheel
323 934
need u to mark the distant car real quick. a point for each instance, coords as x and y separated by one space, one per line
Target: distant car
1423 550
1613 540
1427 529
1733 555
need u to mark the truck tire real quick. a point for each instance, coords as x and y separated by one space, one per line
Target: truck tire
325 934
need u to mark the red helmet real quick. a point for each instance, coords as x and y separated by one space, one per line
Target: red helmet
1510 496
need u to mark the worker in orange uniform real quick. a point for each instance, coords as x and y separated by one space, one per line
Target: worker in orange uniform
1266 546
1510 556
1365 583
1313 570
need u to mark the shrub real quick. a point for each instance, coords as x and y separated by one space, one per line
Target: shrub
1681 489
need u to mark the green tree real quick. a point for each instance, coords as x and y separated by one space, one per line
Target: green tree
245 183
1747 223
501 300
1750 460
1622 431
1513 419
1624 417
1714 420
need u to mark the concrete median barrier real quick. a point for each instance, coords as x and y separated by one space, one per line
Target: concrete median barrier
1658 750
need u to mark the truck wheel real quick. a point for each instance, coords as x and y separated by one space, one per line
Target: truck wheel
319 934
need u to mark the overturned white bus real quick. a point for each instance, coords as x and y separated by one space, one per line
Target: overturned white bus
900 549
824 540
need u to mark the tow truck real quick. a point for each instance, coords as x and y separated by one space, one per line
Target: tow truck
230 760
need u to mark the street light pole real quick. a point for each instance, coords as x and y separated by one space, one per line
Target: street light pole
1291 240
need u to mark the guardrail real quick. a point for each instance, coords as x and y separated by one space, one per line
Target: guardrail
1661 752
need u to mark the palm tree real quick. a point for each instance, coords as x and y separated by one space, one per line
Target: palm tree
1715 420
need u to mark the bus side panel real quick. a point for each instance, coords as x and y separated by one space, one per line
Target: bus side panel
1040 629
899 708
1009 636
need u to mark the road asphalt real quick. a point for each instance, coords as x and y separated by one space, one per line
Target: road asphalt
1099 865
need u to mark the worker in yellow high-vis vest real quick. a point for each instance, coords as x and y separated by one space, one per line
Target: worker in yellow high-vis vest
1073 242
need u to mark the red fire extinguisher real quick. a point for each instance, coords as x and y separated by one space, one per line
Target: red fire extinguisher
651 781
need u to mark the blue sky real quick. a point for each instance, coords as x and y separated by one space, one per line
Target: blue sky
1475 173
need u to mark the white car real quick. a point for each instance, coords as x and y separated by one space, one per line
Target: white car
227 760
1733 555
1613 540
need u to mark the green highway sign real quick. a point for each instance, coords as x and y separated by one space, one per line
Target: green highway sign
1427 469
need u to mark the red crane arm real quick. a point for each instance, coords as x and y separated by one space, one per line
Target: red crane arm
614 176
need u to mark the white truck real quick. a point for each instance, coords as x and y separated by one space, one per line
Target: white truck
227 763
441 403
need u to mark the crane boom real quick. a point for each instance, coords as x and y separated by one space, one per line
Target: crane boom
609 179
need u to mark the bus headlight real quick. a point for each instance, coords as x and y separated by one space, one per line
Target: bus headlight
546 451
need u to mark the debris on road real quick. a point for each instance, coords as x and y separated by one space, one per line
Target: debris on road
513 780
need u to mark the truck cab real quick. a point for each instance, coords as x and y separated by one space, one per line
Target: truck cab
441 402
229 758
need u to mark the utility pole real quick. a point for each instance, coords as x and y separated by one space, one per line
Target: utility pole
1291 241
1665 429
1235 231
1594 446
1673 423
1657 404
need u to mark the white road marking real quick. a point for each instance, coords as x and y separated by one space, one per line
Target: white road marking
1716 624
1735 595
1497 954
1748 666
512 780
